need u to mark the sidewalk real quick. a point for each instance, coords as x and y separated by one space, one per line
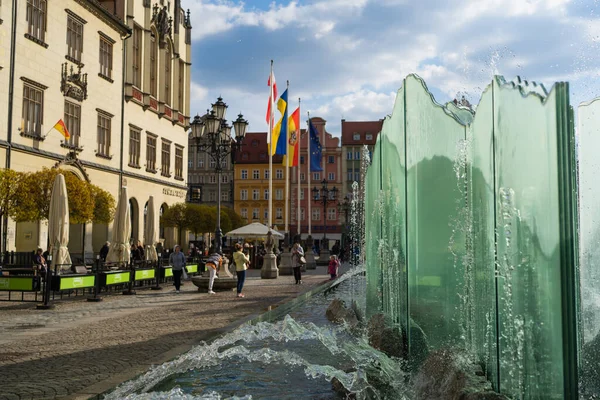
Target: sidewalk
81 349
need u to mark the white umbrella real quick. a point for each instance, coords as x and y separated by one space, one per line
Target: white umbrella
58 224
150 234
254 230
119 249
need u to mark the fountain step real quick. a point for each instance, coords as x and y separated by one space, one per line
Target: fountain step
220 284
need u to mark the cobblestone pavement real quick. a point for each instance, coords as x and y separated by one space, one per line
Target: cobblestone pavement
79 348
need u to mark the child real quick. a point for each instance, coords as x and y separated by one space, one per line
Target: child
333 267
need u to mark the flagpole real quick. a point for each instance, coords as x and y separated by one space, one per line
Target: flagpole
299 133
287 164
309 216
270 151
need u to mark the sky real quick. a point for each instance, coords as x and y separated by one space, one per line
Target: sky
347 58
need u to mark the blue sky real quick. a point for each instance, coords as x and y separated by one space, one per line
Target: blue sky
347 58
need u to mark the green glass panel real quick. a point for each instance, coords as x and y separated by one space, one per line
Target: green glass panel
143 274
588 120
21 284
373 233
435 200
529 242
192 269
116 278
168 272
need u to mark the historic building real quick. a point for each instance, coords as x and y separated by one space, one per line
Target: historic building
355 135
251 174
117 72
321 220
202 177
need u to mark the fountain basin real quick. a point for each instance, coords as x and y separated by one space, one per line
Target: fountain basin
219 285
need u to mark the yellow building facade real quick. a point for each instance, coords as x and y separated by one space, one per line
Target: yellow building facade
251 183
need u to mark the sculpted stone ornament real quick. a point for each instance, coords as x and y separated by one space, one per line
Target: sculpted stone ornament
73 84
163 23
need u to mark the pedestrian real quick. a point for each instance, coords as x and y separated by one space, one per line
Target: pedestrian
241 265
177 262
297 261
140 251
104 251
334 265
213 262
40 262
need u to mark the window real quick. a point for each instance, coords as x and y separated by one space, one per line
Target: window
330 195
153 64
356 136
201 179
256 174
245 156
263 156
266 174
302 177
36 19
166 158
167 86
244 213
244 174
331 214
212 164
74 39
357 155
225 196
106 57
266 215
331 159
33 110
244 194
331 176
73 123
136 66
302 216
103 135
279 194
368 136
301 159
356 174
266 194
255 213
224 179
278 213
349 155
350 174
190 162
134 147
316 176
201 160
180 86
255 194
317 195
178 162
279 174
212 196
301 194
255 143
316 214
150 153
212 179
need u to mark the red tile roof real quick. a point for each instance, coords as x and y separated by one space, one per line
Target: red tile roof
254 150
349 128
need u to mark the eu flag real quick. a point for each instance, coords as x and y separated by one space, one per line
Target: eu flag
315 150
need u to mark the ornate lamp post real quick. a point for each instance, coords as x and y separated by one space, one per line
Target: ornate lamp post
213 136
324 195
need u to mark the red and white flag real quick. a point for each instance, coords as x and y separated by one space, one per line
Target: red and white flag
272 96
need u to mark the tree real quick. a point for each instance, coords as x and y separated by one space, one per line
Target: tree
175 217
10 191
104 205
235 219
198 219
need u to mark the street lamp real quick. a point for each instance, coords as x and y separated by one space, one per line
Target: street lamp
213 136
324 195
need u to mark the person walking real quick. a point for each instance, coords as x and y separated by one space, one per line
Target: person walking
241 265
297 257
334 266
104 251
177 261
213 262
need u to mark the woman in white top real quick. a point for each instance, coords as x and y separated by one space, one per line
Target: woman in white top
297 255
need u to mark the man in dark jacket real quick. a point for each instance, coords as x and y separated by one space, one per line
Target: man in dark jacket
104 251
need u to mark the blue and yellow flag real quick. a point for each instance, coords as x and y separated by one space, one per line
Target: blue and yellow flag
279 138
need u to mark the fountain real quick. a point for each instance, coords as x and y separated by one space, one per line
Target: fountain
466 225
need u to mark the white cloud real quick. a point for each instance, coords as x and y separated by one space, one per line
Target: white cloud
198 93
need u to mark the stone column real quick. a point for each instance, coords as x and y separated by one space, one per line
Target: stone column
42 235
269 268
286 263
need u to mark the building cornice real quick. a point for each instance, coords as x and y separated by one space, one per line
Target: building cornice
98 10
89 164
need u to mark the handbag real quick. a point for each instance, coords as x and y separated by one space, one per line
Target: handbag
185 275
302 260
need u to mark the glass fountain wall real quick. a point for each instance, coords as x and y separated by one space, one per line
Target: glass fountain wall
471 232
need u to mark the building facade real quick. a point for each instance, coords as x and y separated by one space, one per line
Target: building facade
355 135
251 182
202 178
117 73
322 220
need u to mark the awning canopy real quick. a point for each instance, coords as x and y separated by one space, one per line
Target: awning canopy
255 230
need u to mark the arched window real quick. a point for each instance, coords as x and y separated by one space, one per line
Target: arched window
153 64
167 74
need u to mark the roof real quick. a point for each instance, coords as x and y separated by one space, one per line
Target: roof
349 128
254 150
